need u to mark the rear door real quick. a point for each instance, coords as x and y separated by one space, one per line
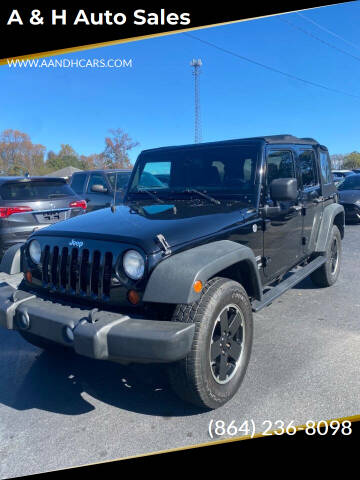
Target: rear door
310 192
282 235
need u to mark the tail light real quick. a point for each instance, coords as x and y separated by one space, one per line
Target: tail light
5 212
78 204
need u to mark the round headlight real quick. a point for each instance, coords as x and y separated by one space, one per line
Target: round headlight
35 251
133 264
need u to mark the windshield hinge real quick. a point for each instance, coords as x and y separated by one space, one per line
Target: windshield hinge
160 239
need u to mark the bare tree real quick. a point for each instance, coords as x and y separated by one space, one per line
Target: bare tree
337 160
117 148
18 154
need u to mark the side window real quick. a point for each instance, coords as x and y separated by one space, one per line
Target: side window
326 175
96 179
280 164
78 182
308 168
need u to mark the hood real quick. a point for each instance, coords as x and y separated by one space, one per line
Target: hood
139 224
349 196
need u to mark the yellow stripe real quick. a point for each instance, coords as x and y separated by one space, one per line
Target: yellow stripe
63 51
352 419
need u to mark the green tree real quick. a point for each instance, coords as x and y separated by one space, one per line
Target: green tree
66 157
352 160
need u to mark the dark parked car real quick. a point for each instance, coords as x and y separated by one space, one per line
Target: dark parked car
30 203
97 187
174 274
349 197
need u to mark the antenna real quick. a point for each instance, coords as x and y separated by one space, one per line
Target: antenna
196 64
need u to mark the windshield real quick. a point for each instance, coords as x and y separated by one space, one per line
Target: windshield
219 171
351 182
39 190
122 179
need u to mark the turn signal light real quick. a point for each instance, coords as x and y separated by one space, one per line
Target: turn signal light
28 276
5 212
133 297
198 286
78 204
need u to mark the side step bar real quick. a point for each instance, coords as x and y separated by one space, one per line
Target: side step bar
290 282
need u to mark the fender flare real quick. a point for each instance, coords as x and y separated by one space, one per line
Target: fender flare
11 261
172 280
327 222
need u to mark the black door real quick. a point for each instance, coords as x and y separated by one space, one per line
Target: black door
98 193
311 192
282 234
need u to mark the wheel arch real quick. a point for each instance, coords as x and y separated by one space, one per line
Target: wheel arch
333 214
11 262
172 279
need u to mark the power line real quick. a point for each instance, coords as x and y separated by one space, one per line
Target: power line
272 69
327 30
320 39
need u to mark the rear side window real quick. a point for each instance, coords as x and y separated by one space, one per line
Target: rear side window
34 190
122 180
78 182
307 168
325 169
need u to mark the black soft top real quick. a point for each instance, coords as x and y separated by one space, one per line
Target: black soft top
269 139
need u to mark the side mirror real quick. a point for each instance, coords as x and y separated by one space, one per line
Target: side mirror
99 189
284 189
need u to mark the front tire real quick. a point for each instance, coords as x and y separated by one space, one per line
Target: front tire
212 372
328 273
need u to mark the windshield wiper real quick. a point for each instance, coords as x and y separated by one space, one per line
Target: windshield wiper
150 193
202 194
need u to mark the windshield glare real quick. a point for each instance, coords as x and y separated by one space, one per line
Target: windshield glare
217 170
350 183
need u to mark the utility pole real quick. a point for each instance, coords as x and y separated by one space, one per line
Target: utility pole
196 64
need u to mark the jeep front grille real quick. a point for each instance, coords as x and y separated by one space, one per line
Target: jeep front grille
77 272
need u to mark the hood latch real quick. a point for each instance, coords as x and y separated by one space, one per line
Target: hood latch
165 247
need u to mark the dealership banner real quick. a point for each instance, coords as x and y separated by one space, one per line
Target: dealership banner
29 31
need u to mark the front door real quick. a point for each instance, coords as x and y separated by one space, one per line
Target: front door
282 233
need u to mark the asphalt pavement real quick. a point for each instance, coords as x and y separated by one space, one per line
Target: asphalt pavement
62 411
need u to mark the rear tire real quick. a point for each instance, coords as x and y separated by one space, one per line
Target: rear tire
43 343
328 273
212 372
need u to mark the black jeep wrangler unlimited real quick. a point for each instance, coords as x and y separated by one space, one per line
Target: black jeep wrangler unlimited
174 274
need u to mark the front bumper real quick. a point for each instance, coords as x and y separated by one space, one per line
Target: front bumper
97 334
